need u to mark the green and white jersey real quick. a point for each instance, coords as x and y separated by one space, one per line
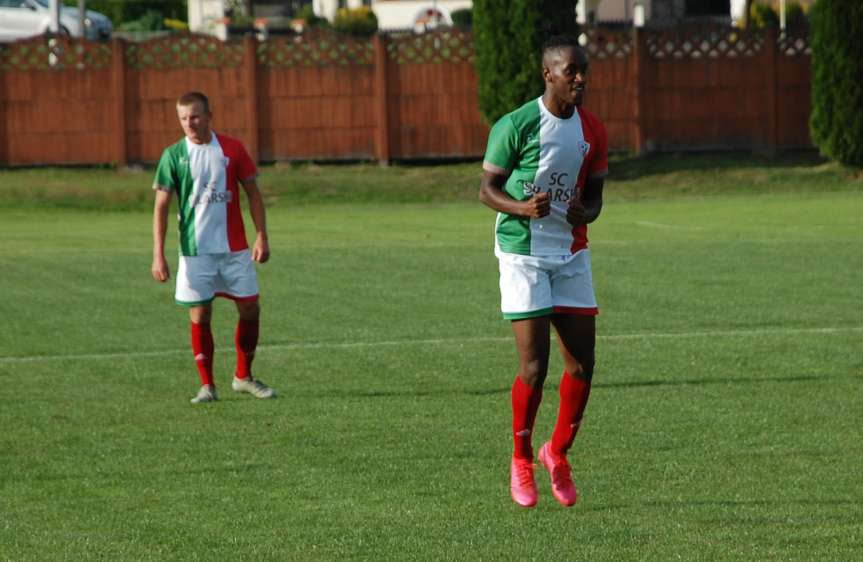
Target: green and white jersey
204 177
540 152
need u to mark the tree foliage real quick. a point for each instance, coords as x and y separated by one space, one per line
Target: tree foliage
508 36
836 122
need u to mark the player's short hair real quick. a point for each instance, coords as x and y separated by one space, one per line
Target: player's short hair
556 42
190 98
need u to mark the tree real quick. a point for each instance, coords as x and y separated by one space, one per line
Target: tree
836 122
508 36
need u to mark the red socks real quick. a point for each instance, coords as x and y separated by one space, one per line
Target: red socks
574 393
202 347
246 340
525 404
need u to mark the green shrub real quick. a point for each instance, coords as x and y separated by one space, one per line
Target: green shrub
463 18
508 36
307 14
836 122
360 21
150 21
762 16
795 16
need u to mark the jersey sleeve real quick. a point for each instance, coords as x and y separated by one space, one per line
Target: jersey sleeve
502 149
246 168
166 177
599 159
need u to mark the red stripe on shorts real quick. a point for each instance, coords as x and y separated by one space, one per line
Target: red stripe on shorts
581 311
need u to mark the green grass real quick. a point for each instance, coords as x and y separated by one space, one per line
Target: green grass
725 421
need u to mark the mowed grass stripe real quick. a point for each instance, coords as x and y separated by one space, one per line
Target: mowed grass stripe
440 341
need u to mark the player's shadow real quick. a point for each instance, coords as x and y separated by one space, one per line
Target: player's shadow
635 167
381 393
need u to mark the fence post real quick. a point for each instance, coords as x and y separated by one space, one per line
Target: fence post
250 71
118 83
638 93
771 64
382 133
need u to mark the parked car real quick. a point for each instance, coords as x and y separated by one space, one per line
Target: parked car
26 18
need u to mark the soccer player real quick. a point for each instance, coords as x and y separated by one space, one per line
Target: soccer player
204 169
543 171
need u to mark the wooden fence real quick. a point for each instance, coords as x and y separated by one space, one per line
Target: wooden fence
328 97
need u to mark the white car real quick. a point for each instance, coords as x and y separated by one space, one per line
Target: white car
26 18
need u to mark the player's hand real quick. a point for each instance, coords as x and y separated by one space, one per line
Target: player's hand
160 270
537 206
261 249
576 213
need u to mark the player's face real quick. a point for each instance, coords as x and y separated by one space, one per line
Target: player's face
565 73
195 122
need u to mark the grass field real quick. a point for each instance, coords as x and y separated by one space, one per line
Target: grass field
726 420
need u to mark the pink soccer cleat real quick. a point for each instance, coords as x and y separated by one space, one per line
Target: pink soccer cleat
521 482
562 487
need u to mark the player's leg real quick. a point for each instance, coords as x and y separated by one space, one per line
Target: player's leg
575 324
239 282
532 344
526 301
246 340
246 336
195 290
576 336
203 350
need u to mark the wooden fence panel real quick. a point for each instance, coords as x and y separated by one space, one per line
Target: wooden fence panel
52 112
432 97
323 96
316 98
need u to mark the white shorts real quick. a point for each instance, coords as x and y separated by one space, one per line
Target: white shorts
202 278
532 286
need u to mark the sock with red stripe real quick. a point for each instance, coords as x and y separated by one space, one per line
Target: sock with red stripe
525 404
202 347
246 340
574 393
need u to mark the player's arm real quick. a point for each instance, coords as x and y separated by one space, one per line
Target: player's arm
261 247
492 194
585 208
159 268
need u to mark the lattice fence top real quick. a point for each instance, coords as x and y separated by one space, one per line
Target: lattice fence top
707 42
438 46
54 52
184 50
319 48
602 44
794 44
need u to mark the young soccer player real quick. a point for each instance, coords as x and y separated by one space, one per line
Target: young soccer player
543 172
204 169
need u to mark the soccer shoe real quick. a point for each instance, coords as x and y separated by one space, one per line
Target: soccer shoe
522 486
562 487
206 393
254 387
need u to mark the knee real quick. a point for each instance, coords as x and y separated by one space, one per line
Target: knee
533 373
249 311
583 368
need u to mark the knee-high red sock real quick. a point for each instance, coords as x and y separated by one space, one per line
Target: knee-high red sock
525 404
246 340
202 347
574 393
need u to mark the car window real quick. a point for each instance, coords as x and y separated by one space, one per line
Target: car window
11 3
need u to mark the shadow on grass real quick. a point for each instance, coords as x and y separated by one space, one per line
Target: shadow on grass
548 387
629 167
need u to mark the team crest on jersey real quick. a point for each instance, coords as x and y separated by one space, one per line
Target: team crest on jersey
584 147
